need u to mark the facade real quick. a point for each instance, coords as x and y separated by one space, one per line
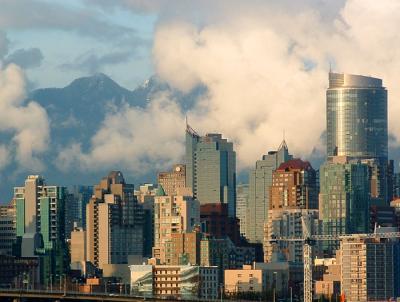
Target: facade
248 279
40 223
7 228
328 285
369 269
145 196
172 214
216 222
75 211
260 181
290 223
114 222
344 199
211 169
180 281
242 201
357 124
78 245
183 248
173 180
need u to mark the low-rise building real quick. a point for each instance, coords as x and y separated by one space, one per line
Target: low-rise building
178 281
330 272
245 280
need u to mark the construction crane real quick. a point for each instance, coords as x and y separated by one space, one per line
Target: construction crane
308 242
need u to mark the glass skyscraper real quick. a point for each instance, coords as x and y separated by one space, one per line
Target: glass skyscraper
211 169
356 114
357 126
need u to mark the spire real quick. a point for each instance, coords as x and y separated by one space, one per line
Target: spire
189 129
283 145
160 191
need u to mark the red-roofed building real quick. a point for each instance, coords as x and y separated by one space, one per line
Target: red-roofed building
294 186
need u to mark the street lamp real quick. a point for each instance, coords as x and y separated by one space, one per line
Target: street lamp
274 284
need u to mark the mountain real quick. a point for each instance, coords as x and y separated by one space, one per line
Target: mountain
76 112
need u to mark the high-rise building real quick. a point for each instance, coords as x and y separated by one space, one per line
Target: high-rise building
344 199
369 269
211 168
357 125
114 222
172 214
260 181
40 223
173 180
242 201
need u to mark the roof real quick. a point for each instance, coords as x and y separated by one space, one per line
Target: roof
295 164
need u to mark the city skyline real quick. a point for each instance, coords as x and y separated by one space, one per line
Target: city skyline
200 150
281 68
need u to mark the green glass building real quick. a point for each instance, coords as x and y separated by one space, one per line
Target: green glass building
344 199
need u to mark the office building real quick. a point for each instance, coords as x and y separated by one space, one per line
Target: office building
260 181
40 223
178 281
327 285
344 199
173 180
114 222
172 214
369 269
242 201
211 169
357 125
20 272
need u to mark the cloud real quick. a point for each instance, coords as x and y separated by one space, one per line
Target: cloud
27 123
4 42
92 62
265 66
133 139
25 58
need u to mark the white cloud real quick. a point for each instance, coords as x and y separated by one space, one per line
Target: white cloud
26 123
133 139
266 70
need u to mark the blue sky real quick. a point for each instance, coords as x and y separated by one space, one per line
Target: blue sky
68 46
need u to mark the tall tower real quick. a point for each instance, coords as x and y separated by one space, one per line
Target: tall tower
260 181
211 169
357 125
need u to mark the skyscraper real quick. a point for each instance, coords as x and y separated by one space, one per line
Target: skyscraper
211 168
40 223
114 222
357 125
260 180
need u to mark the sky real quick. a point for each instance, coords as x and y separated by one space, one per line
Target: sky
264 65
